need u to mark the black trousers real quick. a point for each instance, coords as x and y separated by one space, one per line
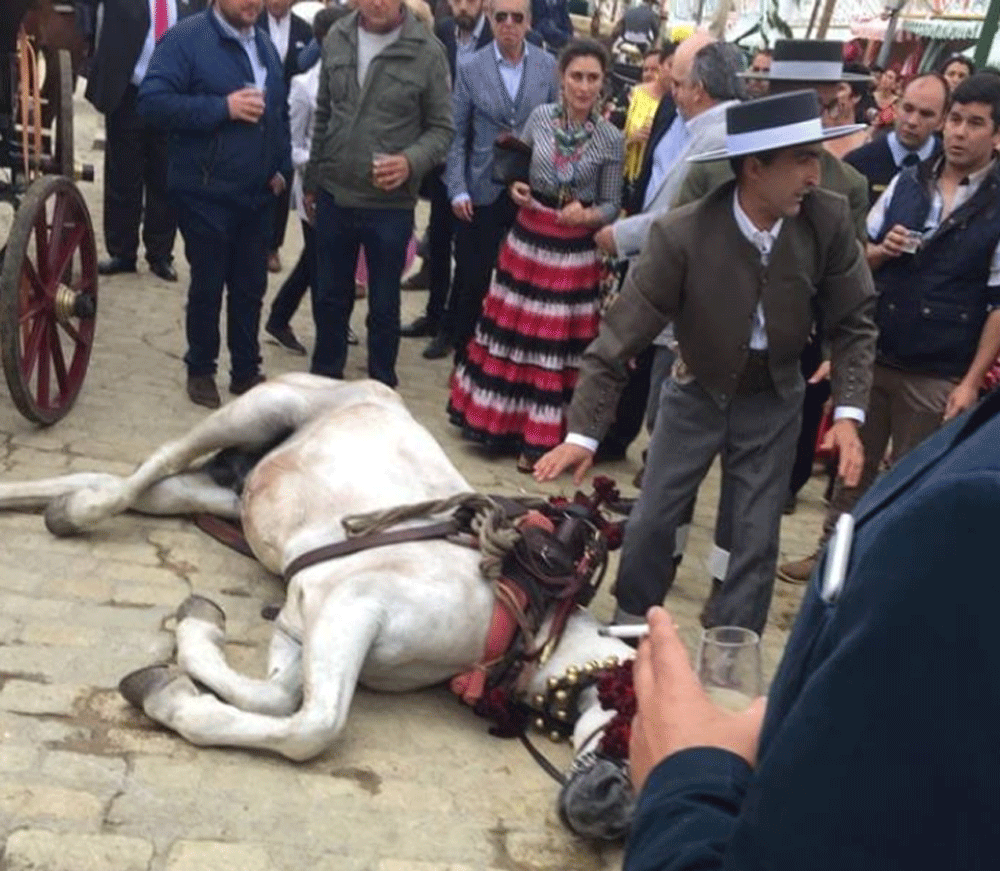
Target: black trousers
226 248
440 234
477 243
280 222
135 185
299 280
812 413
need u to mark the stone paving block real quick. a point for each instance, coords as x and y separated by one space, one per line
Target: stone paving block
41 850
56 634
32 801
217 856
410 865
17 757
30 697
99 774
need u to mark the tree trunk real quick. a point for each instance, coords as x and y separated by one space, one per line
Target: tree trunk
825 18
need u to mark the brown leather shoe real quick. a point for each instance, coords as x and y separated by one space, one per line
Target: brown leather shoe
238 388
201 390
798 571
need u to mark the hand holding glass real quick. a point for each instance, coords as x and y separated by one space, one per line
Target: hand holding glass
729 666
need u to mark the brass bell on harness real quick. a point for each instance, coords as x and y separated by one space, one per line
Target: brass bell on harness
538 700
553 683
561 696
555 737
540 724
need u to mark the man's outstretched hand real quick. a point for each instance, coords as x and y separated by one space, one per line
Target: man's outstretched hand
844 439
563 457
673 711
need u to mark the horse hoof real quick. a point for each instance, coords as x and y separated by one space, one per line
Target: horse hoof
597 801
57 519
138 685
200 608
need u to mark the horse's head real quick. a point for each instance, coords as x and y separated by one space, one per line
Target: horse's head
597 800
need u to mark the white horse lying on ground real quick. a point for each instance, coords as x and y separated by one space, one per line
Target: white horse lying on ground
394 618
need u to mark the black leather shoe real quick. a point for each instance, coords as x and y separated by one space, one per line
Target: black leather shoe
418 281
116 265
238 388
163 269
438 347
201 390
286 338
422 328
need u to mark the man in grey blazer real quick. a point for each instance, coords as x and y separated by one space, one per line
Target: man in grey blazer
742 318
495 92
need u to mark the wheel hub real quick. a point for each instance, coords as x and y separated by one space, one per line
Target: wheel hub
72 304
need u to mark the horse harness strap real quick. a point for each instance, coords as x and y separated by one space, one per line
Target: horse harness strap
442 529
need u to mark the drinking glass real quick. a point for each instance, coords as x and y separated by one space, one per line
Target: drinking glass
729 666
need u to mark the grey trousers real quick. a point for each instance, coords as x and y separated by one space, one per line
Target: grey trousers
756 436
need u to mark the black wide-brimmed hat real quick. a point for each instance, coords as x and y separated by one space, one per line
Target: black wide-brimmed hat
774 122
807 60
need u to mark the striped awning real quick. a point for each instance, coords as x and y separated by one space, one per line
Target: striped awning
943 28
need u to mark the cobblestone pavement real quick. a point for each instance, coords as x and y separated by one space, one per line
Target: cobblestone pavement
415 783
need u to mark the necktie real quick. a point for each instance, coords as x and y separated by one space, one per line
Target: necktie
911 159
161 19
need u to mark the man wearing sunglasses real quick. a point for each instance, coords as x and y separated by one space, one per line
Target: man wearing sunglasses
495 92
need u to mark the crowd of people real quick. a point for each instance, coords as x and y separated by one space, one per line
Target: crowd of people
775 251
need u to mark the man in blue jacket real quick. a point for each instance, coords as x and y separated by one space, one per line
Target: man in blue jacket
216 84
878 747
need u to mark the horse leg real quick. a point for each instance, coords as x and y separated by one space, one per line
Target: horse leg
252 421
339 638
189 493
201 634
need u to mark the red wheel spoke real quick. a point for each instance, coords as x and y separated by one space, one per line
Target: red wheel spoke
29 314
74 334
61 259
56 229
58 361
32 343
42 244
33 278
43 369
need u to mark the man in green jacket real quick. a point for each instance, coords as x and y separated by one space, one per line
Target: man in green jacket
383 120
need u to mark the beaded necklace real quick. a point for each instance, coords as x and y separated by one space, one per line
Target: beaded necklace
570 140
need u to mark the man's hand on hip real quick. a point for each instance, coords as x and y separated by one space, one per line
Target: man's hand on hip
961 398
462 210
277 184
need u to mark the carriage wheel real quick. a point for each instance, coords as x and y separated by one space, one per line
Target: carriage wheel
48 299
61 94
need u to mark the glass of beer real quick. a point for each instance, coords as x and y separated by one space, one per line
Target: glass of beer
729 666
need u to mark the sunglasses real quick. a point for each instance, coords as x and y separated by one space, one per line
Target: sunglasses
501 17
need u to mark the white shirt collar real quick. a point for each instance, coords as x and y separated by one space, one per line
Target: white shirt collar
761 239
245 36
502 60
900 151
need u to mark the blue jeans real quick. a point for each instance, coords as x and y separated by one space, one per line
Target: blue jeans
340 233
227 249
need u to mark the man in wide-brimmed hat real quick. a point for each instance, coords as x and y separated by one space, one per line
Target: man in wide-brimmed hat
738 274
795 64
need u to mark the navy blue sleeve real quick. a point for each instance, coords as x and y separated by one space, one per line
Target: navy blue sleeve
165 94
687 811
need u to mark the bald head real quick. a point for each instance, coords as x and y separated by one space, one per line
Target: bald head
686 50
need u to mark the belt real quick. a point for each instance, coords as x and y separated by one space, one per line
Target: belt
756 375
554 202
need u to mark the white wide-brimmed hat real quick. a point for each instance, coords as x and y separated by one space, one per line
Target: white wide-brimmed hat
774 122
807 60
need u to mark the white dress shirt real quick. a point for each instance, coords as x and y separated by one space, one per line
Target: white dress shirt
510 73
763 241
280 31
142 63
247 39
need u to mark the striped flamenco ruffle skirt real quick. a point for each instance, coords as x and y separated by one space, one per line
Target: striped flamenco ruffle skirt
511 389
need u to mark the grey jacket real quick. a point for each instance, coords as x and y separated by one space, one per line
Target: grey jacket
706 132
484 110
404 107
816 261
